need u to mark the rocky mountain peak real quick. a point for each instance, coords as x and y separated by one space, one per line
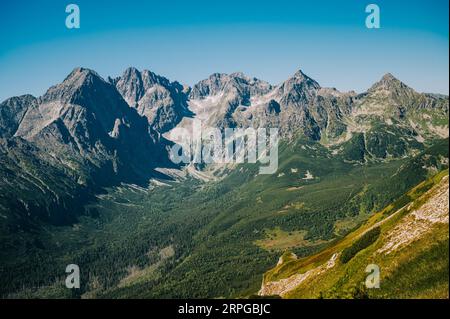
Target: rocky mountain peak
131 72
85 119
150 78
389 77
130 85
133 84
16 101
162 102
80 75
389 83
234 83
298 89
300 75
299 81
73 85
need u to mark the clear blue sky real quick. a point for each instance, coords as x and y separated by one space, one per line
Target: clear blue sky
189 40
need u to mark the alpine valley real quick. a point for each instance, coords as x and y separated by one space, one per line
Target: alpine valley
86 179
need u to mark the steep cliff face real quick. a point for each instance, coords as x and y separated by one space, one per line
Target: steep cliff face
220 97
162 102
12 112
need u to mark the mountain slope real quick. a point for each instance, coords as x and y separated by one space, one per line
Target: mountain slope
408 240
162 102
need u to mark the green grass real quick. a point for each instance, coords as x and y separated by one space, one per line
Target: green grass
419 270
279 240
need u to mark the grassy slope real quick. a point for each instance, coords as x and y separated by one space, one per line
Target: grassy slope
419 270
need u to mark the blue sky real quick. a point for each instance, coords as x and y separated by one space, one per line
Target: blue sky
189 40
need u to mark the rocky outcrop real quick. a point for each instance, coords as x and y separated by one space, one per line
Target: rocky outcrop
162 102
286 285
12 112
420 221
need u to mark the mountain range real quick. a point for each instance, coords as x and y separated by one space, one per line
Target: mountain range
85 136
94 132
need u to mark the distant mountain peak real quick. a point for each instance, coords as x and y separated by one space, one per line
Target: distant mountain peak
133 84
73 84
298 81
389 77
236 83
131 70
146 76
130 73
301 77
300 74
161 101
216 76
390 83
80 73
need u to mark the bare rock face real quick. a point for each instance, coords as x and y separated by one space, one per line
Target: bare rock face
298 90
222 96
12 112
236 83
390 83
287 285
420 221
298 106
162 102
295 95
